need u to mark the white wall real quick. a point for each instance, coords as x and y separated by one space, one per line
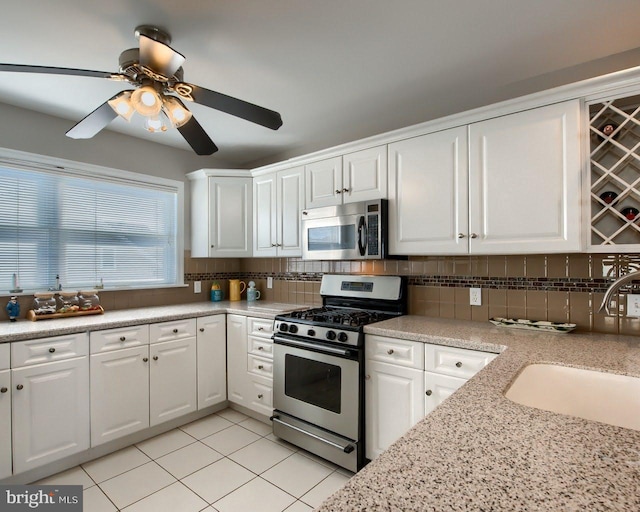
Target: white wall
29 131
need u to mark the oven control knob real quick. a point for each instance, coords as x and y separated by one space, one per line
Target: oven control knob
331 335
311 332
284 327
293 328
343 336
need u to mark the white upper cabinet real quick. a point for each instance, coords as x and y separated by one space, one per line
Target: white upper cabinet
519 192
359 176
278 200
525 182
221 216
428 194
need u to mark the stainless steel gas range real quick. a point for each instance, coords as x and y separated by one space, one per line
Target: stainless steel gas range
318 381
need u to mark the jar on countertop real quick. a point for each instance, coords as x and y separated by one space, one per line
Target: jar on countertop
68 302
44 303
89 300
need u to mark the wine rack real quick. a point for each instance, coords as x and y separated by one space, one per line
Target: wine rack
614 132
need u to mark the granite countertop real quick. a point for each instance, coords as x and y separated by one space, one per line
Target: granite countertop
26 329
480 451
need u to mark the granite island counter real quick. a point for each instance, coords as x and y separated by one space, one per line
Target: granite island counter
480 451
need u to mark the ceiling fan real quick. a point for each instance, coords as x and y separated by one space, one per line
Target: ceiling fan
155 70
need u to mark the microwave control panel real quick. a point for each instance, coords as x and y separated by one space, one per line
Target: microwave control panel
372 235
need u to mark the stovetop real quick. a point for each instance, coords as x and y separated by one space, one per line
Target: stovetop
340 317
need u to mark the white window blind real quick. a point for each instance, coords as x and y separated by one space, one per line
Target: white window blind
85 229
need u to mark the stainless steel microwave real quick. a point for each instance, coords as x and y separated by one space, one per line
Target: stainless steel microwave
356 231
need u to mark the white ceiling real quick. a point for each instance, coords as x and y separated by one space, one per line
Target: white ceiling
337 70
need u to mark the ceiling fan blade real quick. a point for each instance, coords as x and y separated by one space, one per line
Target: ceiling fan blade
94 122
159 57
234 106
22 68
197 138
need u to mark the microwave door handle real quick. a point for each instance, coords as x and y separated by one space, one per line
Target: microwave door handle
362 229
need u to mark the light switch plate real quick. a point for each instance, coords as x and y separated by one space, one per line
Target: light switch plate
475 296
633 305
197 287
269 282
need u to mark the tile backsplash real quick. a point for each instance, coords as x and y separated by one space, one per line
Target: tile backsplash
555 287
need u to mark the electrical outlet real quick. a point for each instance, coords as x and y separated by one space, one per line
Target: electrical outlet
269 282
475 296
633 305
197 287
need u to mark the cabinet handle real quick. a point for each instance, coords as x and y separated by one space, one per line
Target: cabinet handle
260 396
260 367
3 390
261 328
19 386
52 350
459 364
260 348
474 235
461 235
345 190
390 351
367 377
212 246
175 331
429 392
201 329
338 191
274 245
155 358
122 338
145 359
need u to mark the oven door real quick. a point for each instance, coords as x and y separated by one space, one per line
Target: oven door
320 386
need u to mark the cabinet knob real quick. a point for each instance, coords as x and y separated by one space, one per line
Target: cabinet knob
19 386
260 396
201 329
474 235
260 367
345 190
260 348
461 235
274 245
3 390
212 246
145 359
390 351
175 331
367 377
459 364
305 212
338 191
52 350
122 338
155 358
429 392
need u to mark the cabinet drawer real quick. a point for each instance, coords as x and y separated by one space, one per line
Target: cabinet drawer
260 327
261 395
170 331
394 351
5 356
457 362
260 347
260 366
45 350
114 339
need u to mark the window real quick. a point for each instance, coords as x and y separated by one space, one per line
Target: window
87 227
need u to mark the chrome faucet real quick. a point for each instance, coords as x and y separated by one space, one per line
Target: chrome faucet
614 287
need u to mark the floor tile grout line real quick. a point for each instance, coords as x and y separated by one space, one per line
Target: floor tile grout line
114 476
152 458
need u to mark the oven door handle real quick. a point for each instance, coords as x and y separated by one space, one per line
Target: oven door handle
312 346
348 448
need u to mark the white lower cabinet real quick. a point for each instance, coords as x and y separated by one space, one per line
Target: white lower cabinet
5 412
250 363
50 412
398 390
212 360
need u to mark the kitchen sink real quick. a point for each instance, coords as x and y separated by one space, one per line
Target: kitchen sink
606 397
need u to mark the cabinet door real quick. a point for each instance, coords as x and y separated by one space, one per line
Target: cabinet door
119 393
50 412
525 185
230 212
264 215
172 380
393 404
290 203
428 196
323 183
212 360
365 175
5 423
237 377
438 388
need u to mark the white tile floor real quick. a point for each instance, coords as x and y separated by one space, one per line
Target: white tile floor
226 462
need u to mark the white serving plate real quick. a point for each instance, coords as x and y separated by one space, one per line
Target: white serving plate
533 325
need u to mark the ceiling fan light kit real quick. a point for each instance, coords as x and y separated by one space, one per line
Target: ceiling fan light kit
155 70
